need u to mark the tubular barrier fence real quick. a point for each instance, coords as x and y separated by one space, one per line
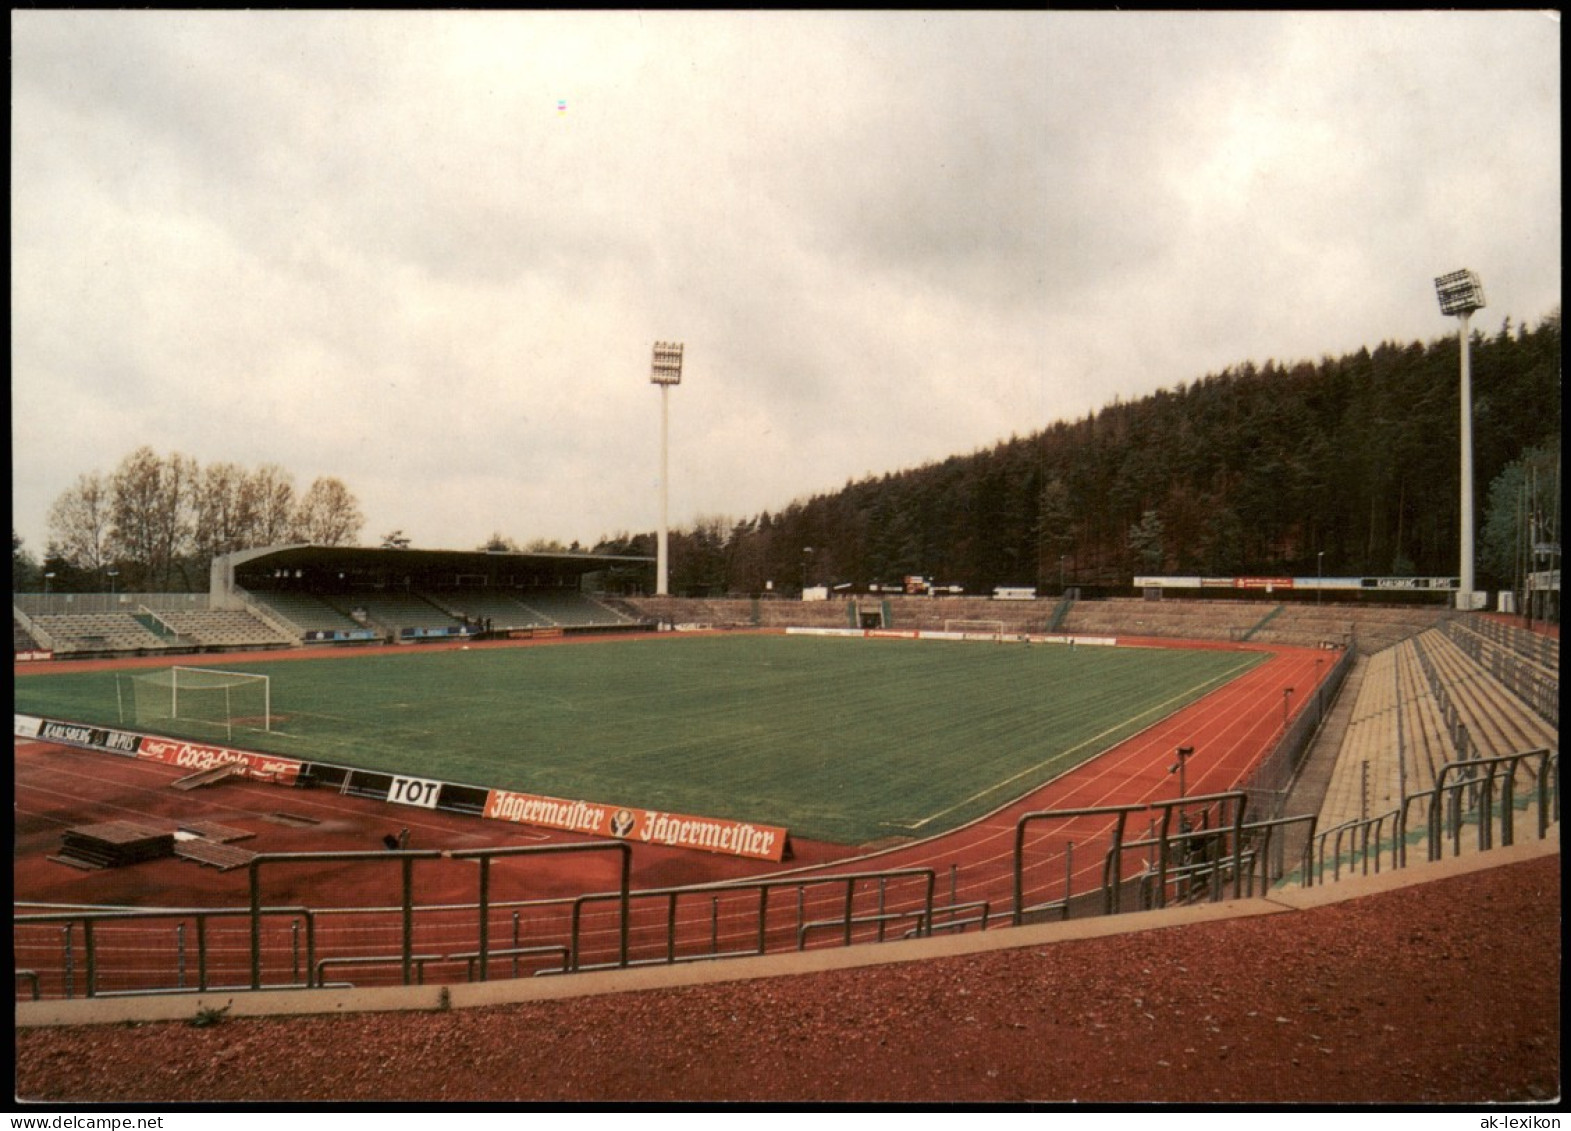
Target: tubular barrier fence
1271 780
1532 676
1194 848
1464 793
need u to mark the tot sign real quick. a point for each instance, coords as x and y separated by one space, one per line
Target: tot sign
414 791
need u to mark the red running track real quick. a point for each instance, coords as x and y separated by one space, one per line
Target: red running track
1231 729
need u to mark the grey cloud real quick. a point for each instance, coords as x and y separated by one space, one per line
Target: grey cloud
885 237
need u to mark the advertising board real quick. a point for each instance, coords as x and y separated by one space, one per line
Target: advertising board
647 826
199 756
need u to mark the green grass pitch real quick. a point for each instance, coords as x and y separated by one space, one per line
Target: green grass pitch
846 740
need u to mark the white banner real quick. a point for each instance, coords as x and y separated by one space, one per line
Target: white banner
414 791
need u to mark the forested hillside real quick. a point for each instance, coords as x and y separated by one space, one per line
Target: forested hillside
1254 470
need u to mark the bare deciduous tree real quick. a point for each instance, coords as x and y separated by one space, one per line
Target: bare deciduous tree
80 522
149 513
271 492
224 510
328 514
163 519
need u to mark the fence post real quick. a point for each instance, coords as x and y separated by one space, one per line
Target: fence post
408 877
90 988
485 919
1069 875
256 922
201 953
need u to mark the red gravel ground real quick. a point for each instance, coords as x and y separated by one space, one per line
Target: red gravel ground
1446 993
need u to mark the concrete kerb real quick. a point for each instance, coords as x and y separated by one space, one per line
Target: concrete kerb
234 1004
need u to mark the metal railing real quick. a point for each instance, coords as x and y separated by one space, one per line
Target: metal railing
1269 783
1464 793
847 921
1525 676
90 921
1229 828
1225 857
484 856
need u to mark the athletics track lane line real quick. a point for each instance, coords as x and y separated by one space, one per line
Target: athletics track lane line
1235 725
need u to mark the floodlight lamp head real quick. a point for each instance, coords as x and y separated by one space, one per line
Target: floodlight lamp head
667 366
1460 293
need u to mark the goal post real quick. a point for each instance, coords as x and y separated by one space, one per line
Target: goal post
201 697
990 629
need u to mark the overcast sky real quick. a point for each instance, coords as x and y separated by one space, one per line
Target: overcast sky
429 254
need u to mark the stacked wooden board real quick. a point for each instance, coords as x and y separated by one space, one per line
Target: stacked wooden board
214 853
114 844
210 776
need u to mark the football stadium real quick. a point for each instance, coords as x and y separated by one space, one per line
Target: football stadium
772 778
344 772
1202 747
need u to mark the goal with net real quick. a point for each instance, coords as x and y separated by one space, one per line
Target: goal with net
981 629
206 699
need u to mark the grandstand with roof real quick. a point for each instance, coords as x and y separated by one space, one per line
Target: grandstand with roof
289 596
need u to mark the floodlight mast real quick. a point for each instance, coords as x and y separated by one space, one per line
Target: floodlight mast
665 371
1460 293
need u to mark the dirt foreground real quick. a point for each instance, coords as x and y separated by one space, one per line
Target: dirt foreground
1445 993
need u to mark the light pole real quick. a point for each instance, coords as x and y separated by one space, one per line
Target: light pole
1460 293
807 556
1320 573
665 371
48 577
112 574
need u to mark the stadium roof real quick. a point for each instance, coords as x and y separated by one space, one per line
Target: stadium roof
305 561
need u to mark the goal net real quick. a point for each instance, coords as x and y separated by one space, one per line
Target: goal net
988 629
201 699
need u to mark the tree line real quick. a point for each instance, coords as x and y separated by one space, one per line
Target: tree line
156 522
1347 466
1342 467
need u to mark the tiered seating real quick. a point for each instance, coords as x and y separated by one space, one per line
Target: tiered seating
306 611
1535 648
572 609
501 609
1373 628
225 628
1497 721
1427 744
1396 731
22 639
1198 620
1310 625
673 610
1526 663
1376 628
100 632
397 610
